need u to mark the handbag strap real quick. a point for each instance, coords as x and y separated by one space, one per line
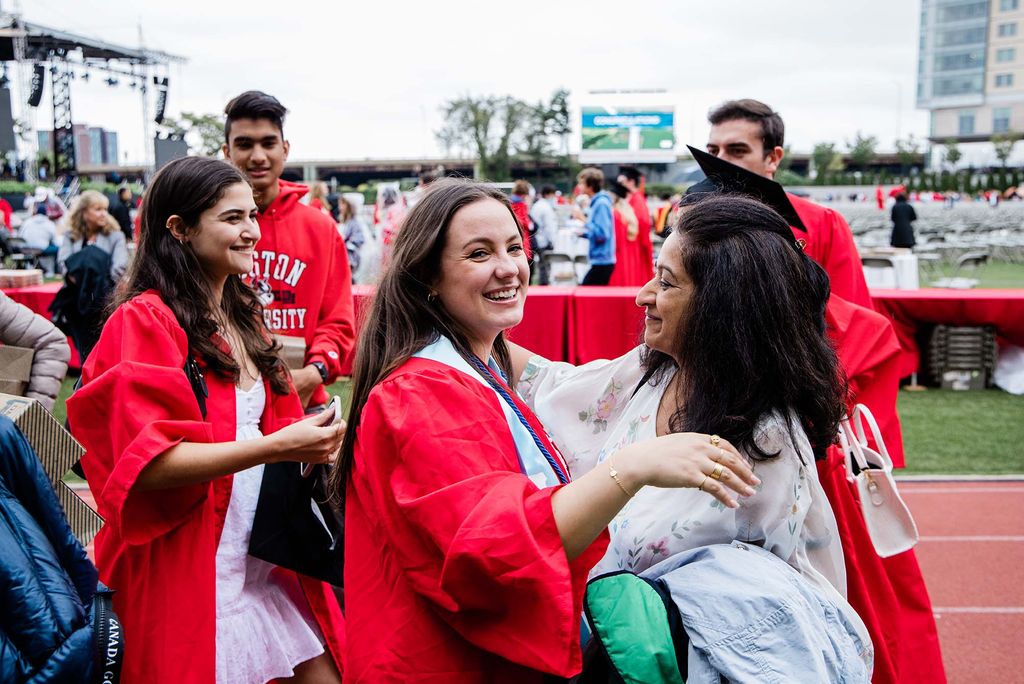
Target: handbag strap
851 449
862 414
500 389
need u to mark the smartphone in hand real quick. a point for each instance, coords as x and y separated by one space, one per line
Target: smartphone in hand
334 411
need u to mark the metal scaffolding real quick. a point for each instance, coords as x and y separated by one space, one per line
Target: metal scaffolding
65 54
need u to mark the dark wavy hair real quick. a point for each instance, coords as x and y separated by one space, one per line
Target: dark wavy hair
187 187
401 321
253 104
753 341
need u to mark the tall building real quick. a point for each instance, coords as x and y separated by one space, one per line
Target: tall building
94 146
970 76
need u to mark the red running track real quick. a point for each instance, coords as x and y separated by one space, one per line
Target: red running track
972 555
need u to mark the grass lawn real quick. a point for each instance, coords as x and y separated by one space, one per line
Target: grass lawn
944 432
999 274
993 275
948 432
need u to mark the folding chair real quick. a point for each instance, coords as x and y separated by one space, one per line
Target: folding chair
879 271
967 263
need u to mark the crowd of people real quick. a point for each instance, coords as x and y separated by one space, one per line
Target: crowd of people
481 486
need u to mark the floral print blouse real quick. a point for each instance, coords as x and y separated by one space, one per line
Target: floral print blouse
591 411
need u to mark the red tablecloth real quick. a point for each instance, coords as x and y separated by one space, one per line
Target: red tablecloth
362 297
38 298
547 326
910 309
607 323
545 329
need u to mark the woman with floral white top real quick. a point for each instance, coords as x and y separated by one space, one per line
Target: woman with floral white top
734 345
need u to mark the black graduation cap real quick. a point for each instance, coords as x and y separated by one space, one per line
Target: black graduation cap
729 178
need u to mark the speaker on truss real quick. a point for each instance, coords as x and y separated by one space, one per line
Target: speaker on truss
167 148
161 98
7 139
35 96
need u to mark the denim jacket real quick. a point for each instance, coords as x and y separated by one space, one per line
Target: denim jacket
751 617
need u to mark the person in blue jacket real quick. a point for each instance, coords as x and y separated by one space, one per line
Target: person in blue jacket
599 227
50 603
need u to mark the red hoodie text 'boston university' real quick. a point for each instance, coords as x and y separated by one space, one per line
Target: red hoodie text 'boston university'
301 274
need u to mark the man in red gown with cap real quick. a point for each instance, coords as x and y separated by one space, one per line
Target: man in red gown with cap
889 594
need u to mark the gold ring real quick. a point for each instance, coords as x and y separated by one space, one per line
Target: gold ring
701 487
715 440
716 474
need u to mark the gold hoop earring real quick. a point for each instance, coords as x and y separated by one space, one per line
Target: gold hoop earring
431 296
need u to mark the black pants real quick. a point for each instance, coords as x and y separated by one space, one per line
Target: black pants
539 266
598 274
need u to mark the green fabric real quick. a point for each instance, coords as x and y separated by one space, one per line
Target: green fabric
629 619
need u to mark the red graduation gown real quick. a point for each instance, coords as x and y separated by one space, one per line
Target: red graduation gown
454 568
830 243
157 549
889 594
628 256
638 200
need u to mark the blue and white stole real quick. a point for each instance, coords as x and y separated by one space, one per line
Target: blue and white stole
532 461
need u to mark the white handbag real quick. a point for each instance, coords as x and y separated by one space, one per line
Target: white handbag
890 525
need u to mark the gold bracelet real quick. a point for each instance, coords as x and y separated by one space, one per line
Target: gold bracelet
614 474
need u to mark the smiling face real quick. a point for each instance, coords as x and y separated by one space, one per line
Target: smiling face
666 298
95 216
741 142
484 272
226 233
258 149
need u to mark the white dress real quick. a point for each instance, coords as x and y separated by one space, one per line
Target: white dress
591 412
265 627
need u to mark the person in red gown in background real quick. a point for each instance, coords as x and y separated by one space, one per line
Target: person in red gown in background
520 200
750 134
467 549
628 255
177 485
633 180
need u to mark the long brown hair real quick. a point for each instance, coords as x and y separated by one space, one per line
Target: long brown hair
401 320
187 187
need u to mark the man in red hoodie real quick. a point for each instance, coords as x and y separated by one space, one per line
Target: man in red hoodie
301 267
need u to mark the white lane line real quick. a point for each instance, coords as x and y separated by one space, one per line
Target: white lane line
980 610
970 538
906 491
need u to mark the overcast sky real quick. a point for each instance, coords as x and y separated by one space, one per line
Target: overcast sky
367 78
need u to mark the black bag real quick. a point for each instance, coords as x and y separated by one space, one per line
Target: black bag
295 526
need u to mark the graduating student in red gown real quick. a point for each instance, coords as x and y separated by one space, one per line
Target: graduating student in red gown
165 477
750 134
633 181
466 551
628 256
888 594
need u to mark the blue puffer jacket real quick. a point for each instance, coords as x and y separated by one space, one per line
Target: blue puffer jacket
46 581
